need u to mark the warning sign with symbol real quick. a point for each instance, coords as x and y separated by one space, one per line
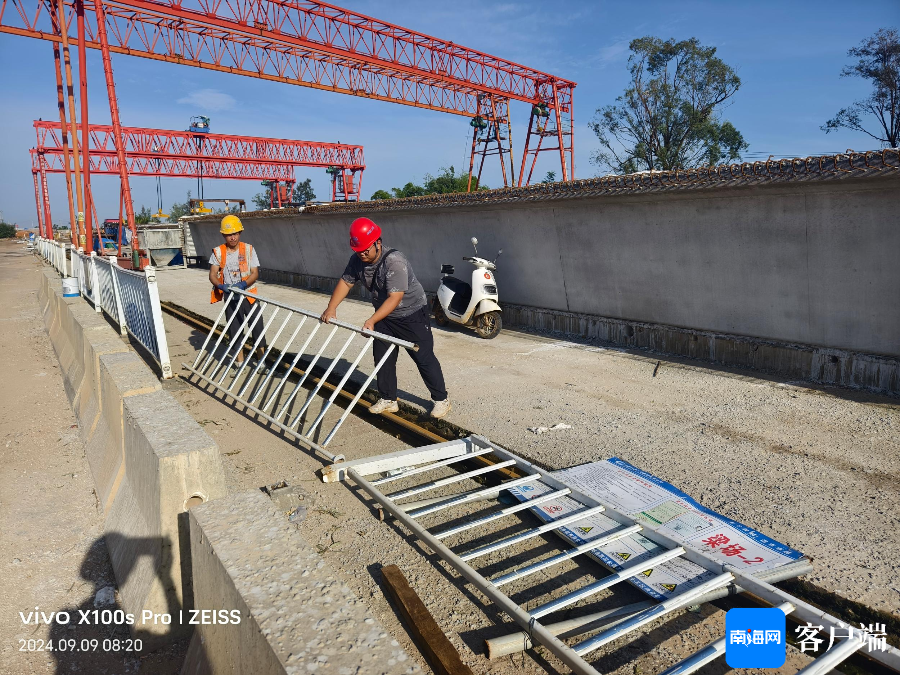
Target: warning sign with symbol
647 499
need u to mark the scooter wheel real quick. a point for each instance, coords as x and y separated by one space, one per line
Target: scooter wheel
439 317
488 325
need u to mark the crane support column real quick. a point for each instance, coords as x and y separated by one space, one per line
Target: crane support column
61 104
37 202
70 90
117 127
85 131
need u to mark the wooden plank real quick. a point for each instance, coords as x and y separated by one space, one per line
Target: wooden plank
435 646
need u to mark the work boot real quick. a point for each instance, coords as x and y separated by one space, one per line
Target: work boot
440 408
384 405
263 369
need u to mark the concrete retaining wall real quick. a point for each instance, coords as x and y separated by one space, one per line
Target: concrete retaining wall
148 457
295 615
800 265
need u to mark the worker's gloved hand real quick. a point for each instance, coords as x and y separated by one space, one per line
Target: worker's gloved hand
242 285
222 287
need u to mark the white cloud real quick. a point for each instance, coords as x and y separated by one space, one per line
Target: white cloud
209 100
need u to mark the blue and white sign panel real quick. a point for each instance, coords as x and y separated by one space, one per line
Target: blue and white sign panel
648 499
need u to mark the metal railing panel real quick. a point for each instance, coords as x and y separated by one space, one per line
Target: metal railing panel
258 382
724 578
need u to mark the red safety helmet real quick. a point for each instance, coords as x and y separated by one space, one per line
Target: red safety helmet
363 233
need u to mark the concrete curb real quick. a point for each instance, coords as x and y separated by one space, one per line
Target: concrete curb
149 459
295 615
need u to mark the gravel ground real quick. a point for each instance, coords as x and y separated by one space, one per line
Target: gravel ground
804 465
52 554
798 463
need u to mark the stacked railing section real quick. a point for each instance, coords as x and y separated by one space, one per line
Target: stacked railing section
130 299
462 527
284 346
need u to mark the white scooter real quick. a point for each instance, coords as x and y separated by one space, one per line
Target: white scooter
472 304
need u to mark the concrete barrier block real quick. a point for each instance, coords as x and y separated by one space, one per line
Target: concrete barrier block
169 463
296 616
87 404
121 375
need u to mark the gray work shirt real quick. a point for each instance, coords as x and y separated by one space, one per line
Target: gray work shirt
232 270
394 275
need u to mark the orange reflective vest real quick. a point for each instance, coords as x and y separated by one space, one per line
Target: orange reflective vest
243 257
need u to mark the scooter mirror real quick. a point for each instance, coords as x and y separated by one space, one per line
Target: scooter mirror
474 241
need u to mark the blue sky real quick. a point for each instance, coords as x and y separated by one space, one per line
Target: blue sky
788 55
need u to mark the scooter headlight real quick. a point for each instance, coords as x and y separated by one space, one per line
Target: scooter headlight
490 289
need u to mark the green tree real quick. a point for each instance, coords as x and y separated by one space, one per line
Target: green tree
668 116
143 217
7 231
303 192
408 190
879 62
550 177
178 210
446 182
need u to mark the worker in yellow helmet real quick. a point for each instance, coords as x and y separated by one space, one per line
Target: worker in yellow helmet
232 265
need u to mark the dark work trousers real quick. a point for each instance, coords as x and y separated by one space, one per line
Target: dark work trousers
243 308
413 328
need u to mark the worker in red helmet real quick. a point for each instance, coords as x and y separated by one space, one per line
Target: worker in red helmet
401 311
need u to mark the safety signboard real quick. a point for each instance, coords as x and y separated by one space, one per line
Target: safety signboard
648 499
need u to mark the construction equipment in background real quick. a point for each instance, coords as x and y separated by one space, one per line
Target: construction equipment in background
199 127
280 193
198 206
347 53
173 154
159 212
546 122
491 136
199 124
344 186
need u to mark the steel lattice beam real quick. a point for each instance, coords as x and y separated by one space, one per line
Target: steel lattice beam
232 156
302 42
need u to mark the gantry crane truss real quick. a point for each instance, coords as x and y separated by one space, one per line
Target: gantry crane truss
186 154
318 45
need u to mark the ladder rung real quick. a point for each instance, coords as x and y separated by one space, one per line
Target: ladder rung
566 555
470 496
649 615
833 657
449 480
503 512
429 467
547 527
597 586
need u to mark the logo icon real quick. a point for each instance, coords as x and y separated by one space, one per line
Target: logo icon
755 638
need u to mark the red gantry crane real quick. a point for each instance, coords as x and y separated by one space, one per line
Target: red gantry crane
317 45
160 153
178 154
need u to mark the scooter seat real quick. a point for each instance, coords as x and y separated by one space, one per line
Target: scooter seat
462 294
456 285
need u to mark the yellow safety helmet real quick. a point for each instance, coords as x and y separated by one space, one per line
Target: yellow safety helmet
231 224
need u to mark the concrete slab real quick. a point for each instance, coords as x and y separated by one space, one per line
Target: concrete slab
295 614
801 464
148 458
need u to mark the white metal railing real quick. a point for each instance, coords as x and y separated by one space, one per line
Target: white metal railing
54 253
130 299
561 505
264 385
